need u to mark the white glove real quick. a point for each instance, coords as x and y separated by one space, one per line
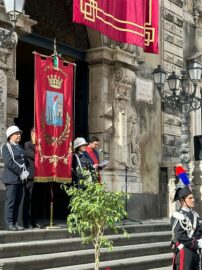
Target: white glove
24 175
200 243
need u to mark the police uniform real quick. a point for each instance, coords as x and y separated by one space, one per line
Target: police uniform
12 154
186 232
82 169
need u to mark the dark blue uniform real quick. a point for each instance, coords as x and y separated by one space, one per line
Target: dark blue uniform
29 212
186 231
12 181
82 169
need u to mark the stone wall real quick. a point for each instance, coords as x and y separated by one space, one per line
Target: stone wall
125 113
8 84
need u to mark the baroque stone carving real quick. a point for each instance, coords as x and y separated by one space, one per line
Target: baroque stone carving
11 39
3 111
170 151
198 22
133 144
127 47
125 116
120 89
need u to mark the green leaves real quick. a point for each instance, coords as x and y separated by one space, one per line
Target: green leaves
93 209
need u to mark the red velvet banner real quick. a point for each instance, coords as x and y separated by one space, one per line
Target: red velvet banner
128 21
53 120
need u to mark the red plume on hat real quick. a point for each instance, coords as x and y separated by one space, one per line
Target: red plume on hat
182 175
184 188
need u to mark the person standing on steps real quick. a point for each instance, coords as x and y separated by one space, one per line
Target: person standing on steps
29 207
82 169
186 232
14 174
92 154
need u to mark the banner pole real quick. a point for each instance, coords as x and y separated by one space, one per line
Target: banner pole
74 97
51 204
55 66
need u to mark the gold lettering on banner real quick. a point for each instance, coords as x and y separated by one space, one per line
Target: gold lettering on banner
92 12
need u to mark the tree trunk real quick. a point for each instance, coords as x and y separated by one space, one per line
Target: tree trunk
97 256
97 247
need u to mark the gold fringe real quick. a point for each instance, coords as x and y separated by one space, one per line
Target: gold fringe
52 179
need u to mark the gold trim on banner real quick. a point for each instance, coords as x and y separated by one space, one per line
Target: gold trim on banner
54 159
63 136
91 12
52 179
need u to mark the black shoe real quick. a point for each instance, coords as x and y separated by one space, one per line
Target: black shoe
28 227
18 227
35 225
11 228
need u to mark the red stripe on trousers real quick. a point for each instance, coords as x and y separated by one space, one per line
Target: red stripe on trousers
181 259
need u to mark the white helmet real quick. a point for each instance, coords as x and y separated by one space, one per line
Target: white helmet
79 141
11 130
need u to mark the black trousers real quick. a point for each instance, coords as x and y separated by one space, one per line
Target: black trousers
12 203
29 215
186 259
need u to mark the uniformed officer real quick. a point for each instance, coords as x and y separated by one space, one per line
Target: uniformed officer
82 169
13 176
186 232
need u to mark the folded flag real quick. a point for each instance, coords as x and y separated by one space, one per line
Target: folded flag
182 175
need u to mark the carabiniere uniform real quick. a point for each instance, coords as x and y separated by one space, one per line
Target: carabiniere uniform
186 231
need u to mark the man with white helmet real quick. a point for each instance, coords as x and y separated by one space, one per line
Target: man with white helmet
82 168
14 173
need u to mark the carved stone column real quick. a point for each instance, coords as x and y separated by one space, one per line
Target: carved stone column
112 116
196 128
8 83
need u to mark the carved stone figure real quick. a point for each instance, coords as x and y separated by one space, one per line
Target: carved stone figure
134 156
198 22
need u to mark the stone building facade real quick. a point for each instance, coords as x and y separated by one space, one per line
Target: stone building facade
140 137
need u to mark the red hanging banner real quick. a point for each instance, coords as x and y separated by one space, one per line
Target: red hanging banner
53 120
128 21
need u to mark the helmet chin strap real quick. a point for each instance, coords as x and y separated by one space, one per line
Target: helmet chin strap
186 203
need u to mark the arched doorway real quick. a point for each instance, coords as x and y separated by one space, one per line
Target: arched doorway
72 49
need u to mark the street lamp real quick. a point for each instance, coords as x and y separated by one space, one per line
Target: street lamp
181 99
14 9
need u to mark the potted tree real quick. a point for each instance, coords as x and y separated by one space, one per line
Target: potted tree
93 209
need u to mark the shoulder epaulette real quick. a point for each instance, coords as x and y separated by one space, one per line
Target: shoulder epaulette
178 215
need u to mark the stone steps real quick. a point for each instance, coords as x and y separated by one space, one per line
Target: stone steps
163 268
141 263
70 244
45 234
70 259
146 247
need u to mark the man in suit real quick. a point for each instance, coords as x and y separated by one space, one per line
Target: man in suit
92 154
29 207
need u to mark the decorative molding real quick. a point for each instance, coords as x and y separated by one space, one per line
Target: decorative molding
3 106
170 151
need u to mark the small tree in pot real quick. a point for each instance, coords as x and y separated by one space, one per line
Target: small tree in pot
93 209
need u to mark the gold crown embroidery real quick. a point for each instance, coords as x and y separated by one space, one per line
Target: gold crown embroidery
55 81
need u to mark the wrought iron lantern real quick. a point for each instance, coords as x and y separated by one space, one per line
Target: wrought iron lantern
14 8
180 97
